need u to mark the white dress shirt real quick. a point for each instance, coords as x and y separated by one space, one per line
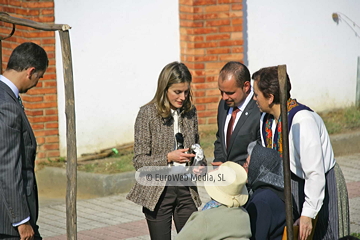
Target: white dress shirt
242 107
311 156
176 116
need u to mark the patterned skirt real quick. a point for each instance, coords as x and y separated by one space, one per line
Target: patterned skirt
333 219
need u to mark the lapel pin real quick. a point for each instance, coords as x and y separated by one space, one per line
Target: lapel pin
246 113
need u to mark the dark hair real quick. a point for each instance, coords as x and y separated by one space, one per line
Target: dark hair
28 55
172 73
238 70
268 83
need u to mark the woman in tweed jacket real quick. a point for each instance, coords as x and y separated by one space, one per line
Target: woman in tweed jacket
169 112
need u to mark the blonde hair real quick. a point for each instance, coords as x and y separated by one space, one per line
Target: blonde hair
172 73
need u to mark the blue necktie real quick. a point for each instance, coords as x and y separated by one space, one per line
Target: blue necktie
20 101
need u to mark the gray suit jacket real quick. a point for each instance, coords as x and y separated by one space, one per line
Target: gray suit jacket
246 130
18 192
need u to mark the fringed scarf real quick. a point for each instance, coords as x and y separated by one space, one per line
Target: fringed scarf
293 107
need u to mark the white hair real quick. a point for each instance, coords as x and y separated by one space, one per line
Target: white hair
251 147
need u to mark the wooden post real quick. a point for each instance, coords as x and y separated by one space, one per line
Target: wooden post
3 38
71 170
285 144
357 101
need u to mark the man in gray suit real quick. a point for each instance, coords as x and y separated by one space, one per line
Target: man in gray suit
18 192
238 116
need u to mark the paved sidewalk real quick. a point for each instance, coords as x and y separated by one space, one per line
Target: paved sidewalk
114 217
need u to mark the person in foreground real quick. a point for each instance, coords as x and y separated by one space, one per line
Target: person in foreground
266 206
169 114
318 185
238 117
223 217
18 191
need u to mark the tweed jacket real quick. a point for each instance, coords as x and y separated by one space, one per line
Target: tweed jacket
18 191
154 139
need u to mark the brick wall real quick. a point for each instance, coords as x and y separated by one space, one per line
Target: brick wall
40 102
210 35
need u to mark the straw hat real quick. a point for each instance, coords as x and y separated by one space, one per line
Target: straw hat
228 185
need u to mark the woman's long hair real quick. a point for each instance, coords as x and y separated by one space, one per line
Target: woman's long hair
172 73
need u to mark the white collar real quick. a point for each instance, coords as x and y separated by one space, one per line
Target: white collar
175 112
243 105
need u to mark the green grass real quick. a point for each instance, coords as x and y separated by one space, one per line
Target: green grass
336 121
356 235
342 120
117 164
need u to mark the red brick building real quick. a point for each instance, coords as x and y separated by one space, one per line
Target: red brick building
41 102
210 36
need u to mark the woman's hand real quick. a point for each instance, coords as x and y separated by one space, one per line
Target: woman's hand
305 227
180 156
199 170
216 163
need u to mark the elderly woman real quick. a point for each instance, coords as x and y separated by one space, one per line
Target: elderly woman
169 114
266 205
312 162
224 217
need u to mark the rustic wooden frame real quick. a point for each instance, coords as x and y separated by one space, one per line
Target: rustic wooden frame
71 171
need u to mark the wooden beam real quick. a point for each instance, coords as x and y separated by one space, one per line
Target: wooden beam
28 23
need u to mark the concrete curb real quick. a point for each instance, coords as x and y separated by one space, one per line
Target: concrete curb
100 185
88 184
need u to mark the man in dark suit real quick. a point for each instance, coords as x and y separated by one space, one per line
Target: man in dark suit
238 116
18 192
